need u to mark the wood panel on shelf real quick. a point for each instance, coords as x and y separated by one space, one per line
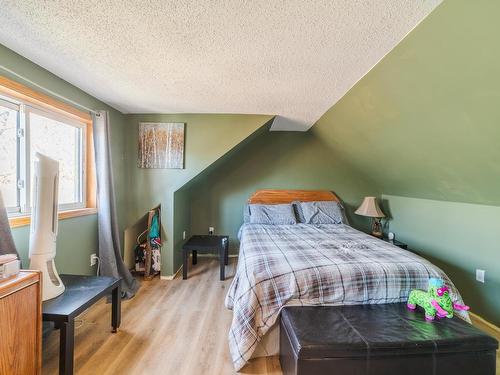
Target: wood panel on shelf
276 196
148 273
21 324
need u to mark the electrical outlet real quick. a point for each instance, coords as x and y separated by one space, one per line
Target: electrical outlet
480 275
93 259
211 230
184 235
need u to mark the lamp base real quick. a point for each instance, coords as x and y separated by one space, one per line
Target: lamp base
377 227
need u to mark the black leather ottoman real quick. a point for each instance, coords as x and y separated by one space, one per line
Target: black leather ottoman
380 340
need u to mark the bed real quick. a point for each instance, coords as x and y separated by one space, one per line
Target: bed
304 264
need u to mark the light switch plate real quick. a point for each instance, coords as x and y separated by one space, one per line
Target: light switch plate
211 230
184 235
480 275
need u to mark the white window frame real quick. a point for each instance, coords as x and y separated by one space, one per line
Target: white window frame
12 104
24 155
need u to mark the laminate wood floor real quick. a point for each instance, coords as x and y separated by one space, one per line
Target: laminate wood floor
170 327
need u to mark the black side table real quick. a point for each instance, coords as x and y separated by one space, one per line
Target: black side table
205 243
81 292
397 243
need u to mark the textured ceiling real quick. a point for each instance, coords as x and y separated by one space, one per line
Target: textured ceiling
294 59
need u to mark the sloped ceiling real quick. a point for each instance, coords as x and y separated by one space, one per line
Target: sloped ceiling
425 122
293 59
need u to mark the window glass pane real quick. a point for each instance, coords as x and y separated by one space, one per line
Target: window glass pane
8 155
61 142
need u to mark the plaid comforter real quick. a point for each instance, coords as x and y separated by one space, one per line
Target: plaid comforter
315 265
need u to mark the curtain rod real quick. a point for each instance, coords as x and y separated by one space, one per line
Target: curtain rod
48 91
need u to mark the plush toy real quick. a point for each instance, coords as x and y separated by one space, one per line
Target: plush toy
436 301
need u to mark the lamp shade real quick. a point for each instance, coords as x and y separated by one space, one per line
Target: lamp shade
369 208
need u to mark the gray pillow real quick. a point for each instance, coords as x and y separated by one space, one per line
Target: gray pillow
272 214
320 212
246 214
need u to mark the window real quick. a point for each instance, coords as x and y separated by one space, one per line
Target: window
27 127
9 119
61 140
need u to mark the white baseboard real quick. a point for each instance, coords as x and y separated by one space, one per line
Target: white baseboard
171 277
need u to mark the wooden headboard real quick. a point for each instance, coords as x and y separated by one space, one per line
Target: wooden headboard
268 196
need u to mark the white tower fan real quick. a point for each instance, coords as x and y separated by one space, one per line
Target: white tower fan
44 223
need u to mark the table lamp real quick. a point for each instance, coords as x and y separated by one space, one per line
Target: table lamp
370 208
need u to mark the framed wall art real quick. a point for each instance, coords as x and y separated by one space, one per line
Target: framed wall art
161 145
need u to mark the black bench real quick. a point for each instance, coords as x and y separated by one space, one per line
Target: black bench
380 339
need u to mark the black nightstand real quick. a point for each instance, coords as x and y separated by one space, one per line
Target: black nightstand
396 243
203 243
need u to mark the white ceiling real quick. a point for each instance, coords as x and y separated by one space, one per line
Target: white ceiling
294 59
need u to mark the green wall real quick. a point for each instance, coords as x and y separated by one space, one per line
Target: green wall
276 160
424 123
77 237
458 237
207 138
422 128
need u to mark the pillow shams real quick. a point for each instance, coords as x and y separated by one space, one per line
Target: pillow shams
320 212
272 214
